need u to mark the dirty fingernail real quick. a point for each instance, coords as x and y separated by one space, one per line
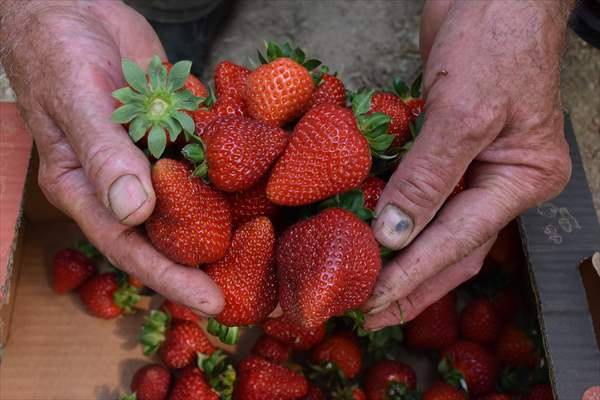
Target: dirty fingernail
392 227
126 195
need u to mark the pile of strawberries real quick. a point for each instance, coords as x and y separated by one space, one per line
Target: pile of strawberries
268 183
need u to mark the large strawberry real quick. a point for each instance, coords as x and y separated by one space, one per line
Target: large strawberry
436 327
155 104
480 322
191 223
105 297
516 346
177 343
299 338
272 349
246 275
330 90
191 385
444 391
341 349
151 382
240 150
281 89
470 365
230 80
389 380
70 268
251 203
327 265
372 187
259 379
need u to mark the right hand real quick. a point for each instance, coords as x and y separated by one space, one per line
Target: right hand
63 60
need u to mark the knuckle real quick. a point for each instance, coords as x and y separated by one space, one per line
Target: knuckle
100 160
424 188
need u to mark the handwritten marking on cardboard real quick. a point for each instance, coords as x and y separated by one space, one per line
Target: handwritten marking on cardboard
564 223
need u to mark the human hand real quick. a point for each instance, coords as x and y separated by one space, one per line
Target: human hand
63 59
491 85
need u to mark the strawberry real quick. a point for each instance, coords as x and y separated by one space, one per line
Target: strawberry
506 302
272 349
104 297
135 282
178 312
151 382
411 96
246 274
314 393
70 268
388 378
480 322
470 363
191 385
239 151
358 394
330 90
213 108
259 379
203 117
191 223
155 104
540 392
393 106
495 396
515 347
297 337
341 349
507 250
327 265
371 189
251 203
281 89
328 153
436 327
443 391
230 79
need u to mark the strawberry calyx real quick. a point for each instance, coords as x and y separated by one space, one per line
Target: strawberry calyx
154 331
327 375
88 249
195 154
127 295
154 101
353 201
451 375
374 126
273 51
399 391
131 396
344 392
219 373
226 334
415 129
408 93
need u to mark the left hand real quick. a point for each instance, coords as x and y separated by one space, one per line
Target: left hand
493 105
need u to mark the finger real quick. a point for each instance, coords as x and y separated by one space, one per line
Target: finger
405 309
432 17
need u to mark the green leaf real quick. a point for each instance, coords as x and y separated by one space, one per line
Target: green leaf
125 113
261 58
384 252
201 170
153 331
173 127
287 50
157 141
126 297
88 249
154 73
361 102
273 51
311 64
298 55
352 201
193 152
401 89
134 76
131 396
178 75
125 95
138 127
415 88
187 123
185 100
372 121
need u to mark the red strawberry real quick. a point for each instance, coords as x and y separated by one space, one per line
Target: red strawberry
416 106
246 274
411 96
191 385
239 151
104 298
225 105
135 282
272 349
191 223
259 379
182 342
443 391
480 322
178 312
330 91
507 250
477 366
495 396
70 269
151 382
393 106
314 393
203 117
515 347
299 338
251 203
540 392
358 394
371 189
327 154
386 376
436 327
506 302
230 79
327 265
343 350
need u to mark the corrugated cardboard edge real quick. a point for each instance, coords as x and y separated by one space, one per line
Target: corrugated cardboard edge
557 236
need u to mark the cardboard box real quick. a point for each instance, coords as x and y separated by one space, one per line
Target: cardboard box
57 351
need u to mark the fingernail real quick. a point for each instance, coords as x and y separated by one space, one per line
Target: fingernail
392 227
200 313
126 195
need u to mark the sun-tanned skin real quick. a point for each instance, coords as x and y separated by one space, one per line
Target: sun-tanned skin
492 91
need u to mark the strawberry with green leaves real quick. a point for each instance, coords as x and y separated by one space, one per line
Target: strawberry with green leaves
401 117
298 337
155 103
70 269
280 90
106 296
151 382
327 265
247 278
329 152
191 222
389 380
340 349
191 385
411 96
436 327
